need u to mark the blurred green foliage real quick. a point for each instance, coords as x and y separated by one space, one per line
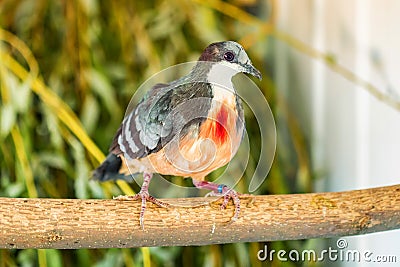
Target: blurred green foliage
93 55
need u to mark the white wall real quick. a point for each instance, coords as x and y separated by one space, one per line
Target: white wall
355 137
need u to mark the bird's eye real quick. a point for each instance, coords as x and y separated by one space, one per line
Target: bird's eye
229 56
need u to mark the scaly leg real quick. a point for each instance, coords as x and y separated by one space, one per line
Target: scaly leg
144 196
221 190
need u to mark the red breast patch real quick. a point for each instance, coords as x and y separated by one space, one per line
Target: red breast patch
220 124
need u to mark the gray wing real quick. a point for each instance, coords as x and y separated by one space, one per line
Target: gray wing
165 111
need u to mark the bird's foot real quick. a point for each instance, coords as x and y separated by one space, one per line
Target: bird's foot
229 194
224 191
144 196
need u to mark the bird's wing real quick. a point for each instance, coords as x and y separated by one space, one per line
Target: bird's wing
165 111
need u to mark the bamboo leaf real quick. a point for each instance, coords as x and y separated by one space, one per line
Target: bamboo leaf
7 118
101 85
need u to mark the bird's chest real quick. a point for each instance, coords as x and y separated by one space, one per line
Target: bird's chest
218 137
206 147
223 125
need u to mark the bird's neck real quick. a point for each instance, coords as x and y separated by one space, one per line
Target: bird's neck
220 75
215 73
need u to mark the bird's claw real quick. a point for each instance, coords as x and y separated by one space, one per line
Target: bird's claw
232 194
228 194
144 196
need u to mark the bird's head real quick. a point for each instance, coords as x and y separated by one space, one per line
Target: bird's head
231 54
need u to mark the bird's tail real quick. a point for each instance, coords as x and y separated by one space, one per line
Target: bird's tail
110 170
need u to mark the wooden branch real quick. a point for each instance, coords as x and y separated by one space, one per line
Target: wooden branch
76 223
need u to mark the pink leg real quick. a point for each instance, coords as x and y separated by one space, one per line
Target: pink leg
144 196
221 190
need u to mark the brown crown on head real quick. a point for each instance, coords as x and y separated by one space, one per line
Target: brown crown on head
212 52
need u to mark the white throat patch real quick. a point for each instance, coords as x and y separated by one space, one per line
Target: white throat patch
220 77
221 74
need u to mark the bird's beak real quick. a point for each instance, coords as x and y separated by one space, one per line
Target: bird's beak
250 69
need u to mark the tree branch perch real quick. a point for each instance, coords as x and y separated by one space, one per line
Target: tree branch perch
77 223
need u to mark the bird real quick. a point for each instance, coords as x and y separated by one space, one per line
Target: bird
188 127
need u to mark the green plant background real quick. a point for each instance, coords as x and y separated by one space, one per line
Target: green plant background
67 72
